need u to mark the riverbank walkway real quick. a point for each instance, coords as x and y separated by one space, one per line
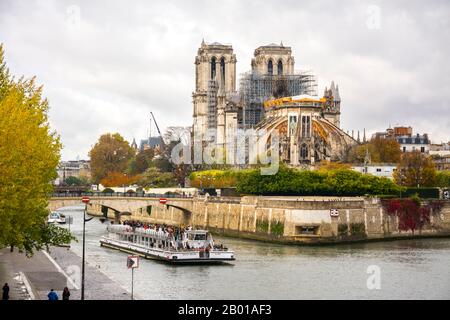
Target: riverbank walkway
32 278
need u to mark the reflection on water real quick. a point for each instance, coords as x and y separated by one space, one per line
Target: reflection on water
410 269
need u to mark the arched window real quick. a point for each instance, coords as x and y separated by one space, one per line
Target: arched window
304 151
213 68
280 67
222 69
270 67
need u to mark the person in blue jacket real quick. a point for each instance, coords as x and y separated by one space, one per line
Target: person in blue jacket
52 295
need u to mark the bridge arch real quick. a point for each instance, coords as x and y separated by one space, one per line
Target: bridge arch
176 210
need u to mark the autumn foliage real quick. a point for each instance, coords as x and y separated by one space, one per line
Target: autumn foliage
415 169
380 151
110 154
118 179
29 155
411 212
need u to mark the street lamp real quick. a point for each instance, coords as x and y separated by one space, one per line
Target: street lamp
85 200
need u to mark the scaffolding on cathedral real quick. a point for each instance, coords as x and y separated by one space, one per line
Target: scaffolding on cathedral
256 88
212 104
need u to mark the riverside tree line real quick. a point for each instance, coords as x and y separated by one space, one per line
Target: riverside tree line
114 163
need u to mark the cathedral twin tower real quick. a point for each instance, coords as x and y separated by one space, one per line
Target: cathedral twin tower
220 110
217 104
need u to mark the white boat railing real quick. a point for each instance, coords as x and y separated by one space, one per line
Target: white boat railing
180 244
157 234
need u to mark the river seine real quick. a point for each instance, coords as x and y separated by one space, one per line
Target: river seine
407 269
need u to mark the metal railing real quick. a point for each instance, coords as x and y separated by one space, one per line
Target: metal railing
119 195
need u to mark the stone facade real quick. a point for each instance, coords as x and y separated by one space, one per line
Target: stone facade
305 135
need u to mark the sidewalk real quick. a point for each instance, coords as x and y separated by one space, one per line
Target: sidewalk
17 288
65 270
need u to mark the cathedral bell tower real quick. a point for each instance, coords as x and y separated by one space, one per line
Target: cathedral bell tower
273 59
215 80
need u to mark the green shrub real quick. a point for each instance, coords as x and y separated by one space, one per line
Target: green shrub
422 192
288 181
357 229
262 226
342 229
443 179
277 228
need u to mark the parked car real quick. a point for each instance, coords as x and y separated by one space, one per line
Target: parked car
56 217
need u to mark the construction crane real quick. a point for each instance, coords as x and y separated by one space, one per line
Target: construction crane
159 132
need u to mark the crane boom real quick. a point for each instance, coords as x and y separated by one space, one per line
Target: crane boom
157 128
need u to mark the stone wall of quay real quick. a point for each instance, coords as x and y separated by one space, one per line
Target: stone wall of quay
301 220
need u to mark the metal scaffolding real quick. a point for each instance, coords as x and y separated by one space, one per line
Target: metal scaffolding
211 96
256 88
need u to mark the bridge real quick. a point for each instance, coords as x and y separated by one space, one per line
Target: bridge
146 207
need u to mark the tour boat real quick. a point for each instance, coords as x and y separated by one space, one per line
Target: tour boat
189 246
56 217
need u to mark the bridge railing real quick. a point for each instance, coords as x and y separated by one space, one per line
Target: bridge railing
118 195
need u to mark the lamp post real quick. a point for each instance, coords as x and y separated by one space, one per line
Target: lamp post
85 200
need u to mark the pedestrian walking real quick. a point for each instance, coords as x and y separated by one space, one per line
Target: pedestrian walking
52 295
5 295
66 293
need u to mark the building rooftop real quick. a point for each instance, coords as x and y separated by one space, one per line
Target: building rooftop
293 99
152 142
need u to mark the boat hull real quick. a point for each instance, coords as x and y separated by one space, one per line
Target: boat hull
173 257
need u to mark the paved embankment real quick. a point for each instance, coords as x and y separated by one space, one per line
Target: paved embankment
55 270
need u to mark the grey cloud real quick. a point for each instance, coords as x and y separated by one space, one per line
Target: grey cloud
121 60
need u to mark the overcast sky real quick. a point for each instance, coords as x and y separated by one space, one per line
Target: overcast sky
106 64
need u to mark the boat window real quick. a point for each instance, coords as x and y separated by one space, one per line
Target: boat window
200 236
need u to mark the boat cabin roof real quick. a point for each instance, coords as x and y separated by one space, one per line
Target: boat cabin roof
197 231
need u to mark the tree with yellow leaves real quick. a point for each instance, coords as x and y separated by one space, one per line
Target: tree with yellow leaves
415 170
111 153
29 155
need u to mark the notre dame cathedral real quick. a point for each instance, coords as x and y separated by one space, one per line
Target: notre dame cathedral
271 96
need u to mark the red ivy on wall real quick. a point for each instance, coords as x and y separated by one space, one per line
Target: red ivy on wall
411 214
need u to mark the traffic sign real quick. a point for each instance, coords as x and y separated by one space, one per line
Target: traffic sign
334 212
85 199
162 200
133 262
